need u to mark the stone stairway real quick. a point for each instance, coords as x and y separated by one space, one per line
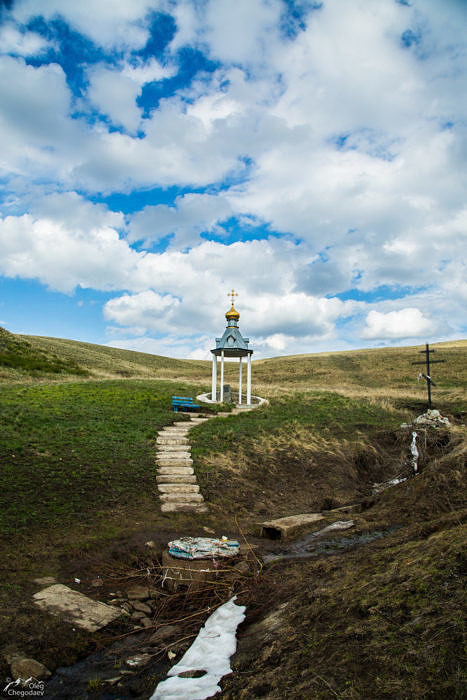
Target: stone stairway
176 480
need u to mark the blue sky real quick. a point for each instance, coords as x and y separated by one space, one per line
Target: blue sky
157 153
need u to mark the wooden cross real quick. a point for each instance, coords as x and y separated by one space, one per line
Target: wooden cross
232 294
427 376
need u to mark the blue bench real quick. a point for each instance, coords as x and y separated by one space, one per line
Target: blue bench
184 403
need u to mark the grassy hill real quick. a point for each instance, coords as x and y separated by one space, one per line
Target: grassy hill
77 439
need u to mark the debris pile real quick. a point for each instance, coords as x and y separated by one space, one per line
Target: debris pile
431 419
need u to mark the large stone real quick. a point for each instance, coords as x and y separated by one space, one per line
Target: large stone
290 526
25 668
76 608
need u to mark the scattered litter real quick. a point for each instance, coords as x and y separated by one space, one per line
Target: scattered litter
77 580
210 652
171 655
203 548
414 451
150 544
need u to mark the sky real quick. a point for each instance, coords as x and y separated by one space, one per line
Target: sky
155 154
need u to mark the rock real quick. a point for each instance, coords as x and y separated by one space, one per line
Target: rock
141 607
138 593
193 673
164 634
138 660
432 419
146 622
136 616
242 568
97 583
45 581
116 601
22 667
151 544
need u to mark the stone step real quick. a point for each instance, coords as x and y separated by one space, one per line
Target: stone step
174 431
184 508
178 488
165 471
172 441
173 456
176 479
183 497
184 462
178 426
173 448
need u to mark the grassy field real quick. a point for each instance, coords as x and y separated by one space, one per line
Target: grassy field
77 438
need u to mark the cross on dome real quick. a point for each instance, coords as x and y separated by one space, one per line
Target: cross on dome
232 313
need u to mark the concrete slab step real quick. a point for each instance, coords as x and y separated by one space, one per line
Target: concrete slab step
178 426
165 471
171 440
173 448
184 508
182 497
176 479
173 456
174 462
183 451
178 488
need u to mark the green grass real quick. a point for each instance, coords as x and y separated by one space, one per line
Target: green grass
74 449
328 413
19 356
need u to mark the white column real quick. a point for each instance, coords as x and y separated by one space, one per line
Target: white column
248 380
240 383
214 378
221 398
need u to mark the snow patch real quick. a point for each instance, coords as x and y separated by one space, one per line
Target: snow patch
210 652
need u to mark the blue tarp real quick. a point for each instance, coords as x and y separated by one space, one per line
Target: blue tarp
203 548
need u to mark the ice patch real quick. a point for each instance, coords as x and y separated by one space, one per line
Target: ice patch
210 652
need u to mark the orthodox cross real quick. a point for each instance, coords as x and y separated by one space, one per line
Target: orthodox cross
429 382
232 294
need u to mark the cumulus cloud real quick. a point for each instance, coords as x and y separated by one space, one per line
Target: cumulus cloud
13 41
191 215
347 137
406 323
109 23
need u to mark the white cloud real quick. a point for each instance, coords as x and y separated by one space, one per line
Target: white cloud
107 22
115 91
12 41
192 214
114 94
406 323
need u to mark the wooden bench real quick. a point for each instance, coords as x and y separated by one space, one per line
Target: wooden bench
184 403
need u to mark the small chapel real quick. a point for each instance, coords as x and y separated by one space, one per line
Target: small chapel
231 344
